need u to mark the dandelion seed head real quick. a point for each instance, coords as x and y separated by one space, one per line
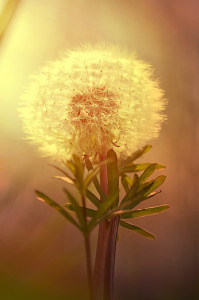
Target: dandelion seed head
90 100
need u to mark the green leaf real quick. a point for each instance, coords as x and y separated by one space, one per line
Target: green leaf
140 152
79 171
71 166
135 156
137 229
91 175
152 195
76 207
113 176
102 211
125 184
52 203
93 198
131 203
147 173
145 186
95 180
66 179
154 185
89 165
139 167
143 193
129 180
89 212
138 197
132 192
63 172
144 212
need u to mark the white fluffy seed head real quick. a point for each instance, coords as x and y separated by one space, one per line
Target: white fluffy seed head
90 100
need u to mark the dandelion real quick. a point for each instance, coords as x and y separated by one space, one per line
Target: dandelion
90 100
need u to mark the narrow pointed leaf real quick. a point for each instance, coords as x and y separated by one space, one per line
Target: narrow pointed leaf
135 156
93 198
66 179
152 195
145 186
63 172
71 166
89 165
79 170
142 151
113 176
52 203
129 180
102 211
76 207
157 182
95 180
131 203
132 192
125 184
105 216
137 229
90 177
139 167
89 212
147 173
143 193
144 212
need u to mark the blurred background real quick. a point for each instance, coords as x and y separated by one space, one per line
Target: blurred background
41 254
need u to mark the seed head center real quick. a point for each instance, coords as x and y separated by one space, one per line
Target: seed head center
92 108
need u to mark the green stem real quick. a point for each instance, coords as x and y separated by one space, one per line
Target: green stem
102 241
88 252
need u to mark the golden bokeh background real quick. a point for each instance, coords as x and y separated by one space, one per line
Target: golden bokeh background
42 255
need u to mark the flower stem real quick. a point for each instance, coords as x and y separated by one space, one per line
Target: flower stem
110 258
88 252
102 240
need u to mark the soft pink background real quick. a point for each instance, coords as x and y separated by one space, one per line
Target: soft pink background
42 255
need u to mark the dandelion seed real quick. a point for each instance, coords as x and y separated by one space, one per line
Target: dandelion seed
94 99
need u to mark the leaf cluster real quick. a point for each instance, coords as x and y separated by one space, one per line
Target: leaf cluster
137 189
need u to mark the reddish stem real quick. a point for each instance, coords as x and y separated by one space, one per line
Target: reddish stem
102 241
88 253
110 258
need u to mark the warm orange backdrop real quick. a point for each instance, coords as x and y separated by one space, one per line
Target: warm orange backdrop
41 255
